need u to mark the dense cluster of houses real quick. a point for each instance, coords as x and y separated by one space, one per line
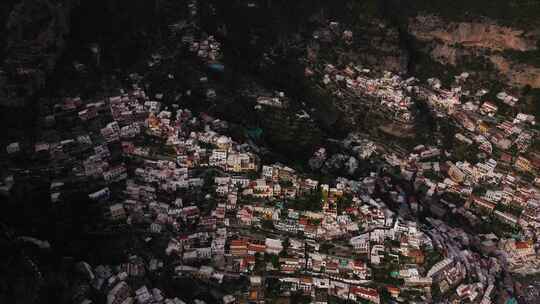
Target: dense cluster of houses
117 281
177 175
390 92
507 167
244 224
154 190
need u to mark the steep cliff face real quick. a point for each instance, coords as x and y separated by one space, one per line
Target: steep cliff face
483 35
452 43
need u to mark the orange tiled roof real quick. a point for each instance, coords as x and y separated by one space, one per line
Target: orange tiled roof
238 243
522 245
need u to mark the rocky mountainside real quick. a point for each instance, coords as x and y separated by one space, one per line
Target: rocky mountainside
452 43
402 36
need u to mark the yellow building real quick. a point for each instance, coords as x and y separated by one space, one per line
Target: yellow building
482 127
523 164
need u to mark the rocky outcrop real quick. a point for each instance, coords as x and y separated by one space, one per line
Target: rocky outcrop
452 43
483 35
34 41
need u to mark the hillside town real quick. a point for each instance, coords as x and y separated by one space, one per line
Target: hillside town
449 220
168 172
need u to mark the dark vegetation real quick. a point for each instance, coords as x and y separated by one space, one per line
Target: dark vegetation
527 57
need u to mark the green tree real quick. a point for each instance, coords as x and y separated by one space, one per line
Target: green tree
274 259
267 224
344 202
